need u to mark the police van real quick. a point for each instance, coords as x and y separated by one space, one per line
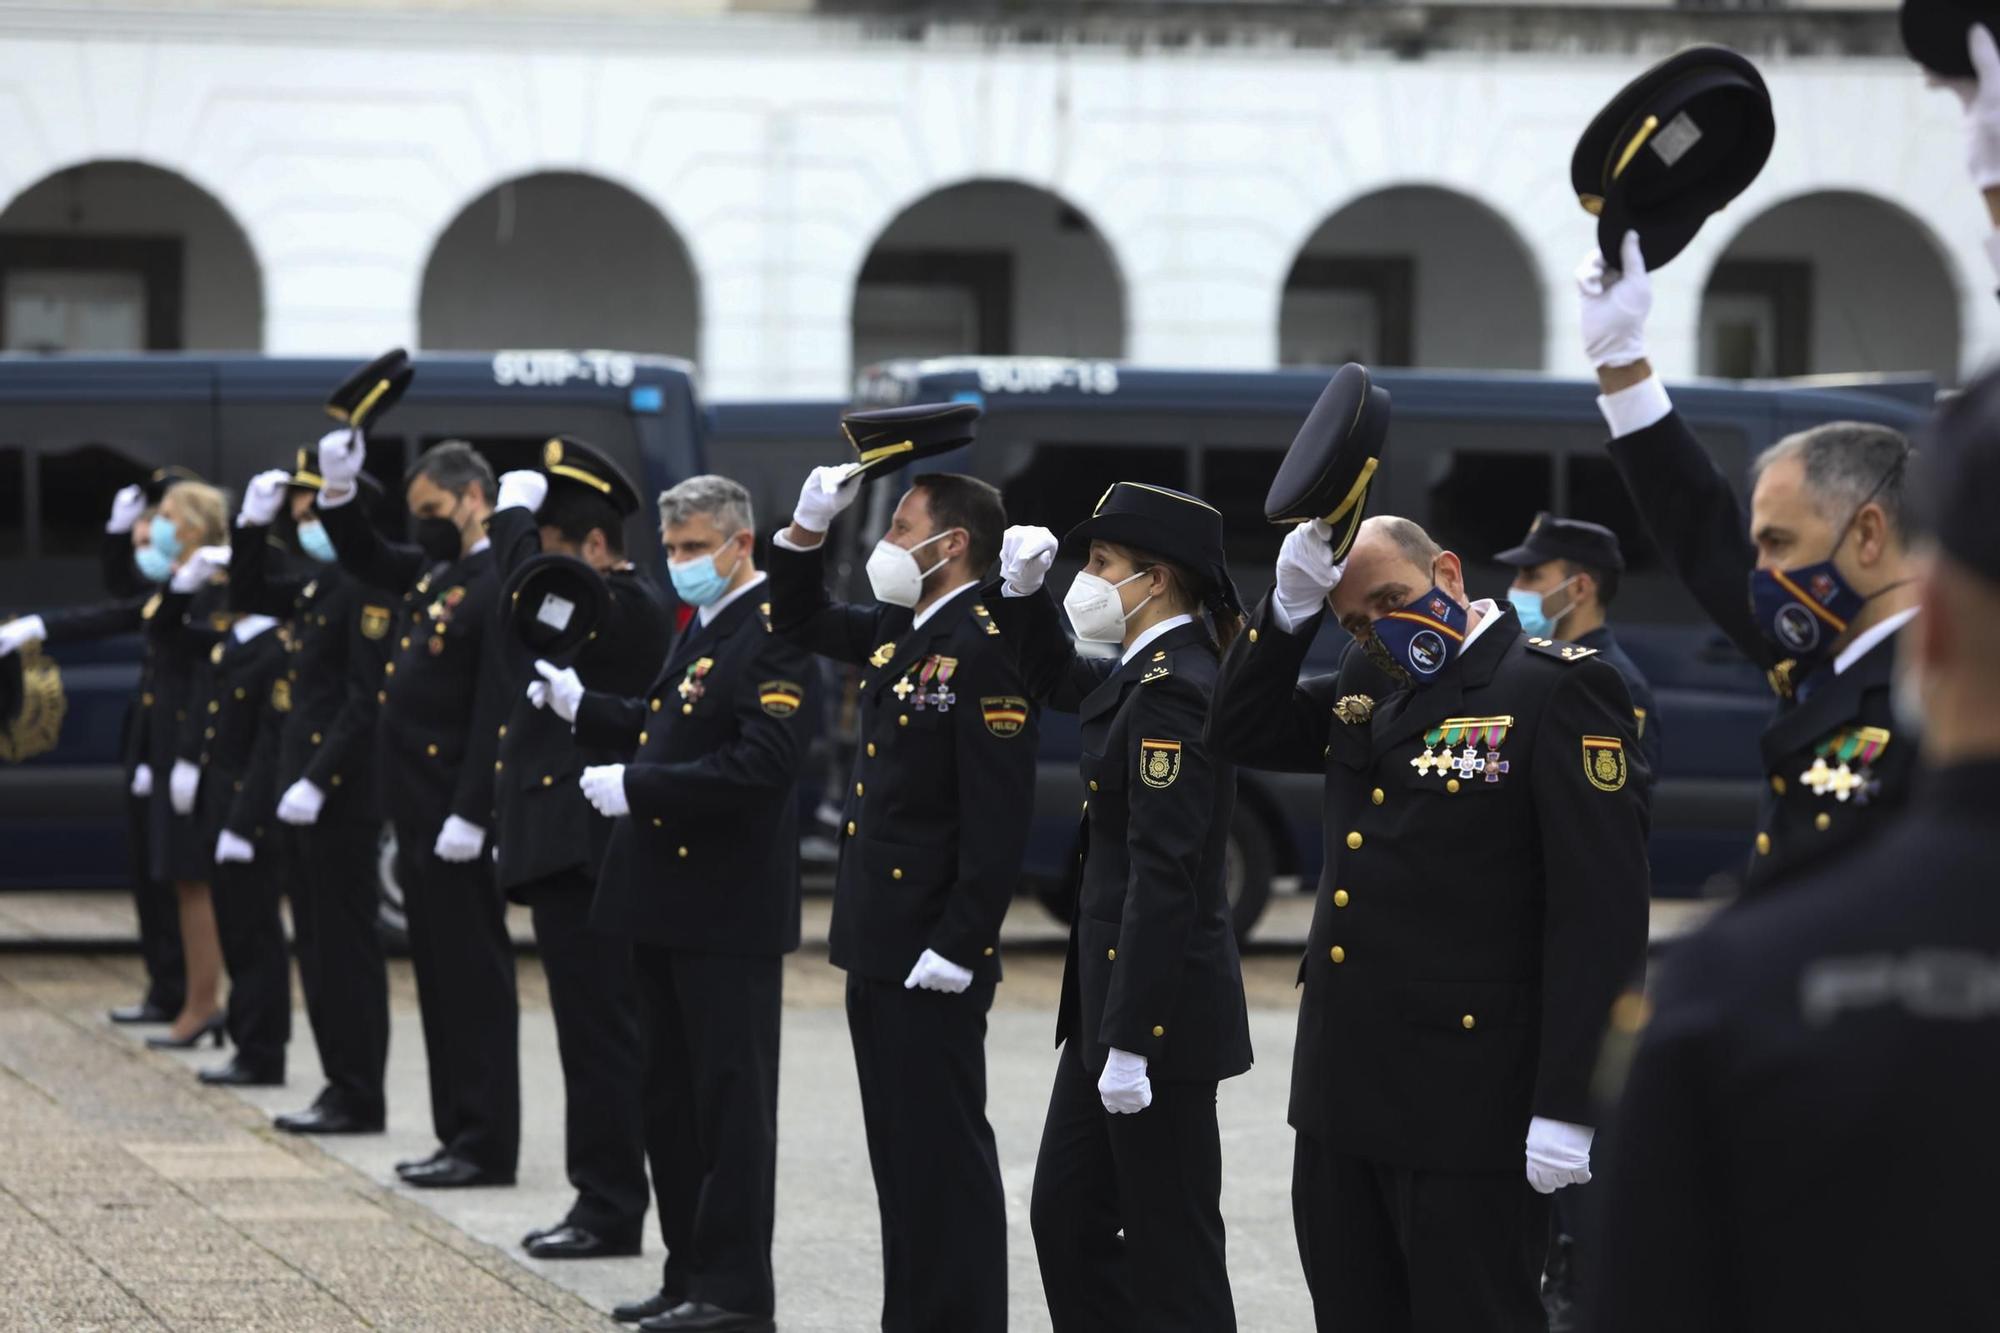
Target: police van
1473 456
74 429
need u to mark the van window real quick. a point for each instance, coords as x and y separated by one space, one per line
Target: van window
1235 480
1060 484
76 490
1482 502
13 502
1597 494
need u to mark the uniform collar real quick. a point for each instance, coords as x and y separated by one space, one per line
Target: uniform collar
708 613
1151 633
918 621
1871 636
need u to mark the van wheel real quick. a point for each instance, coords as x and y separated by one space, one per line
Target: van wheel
1246 873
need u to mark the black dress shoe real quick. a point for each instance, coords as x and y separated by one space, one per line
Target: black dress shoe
143 1012
420 1163
240 1074
570 1241
326 1120
211 1030
658 1303
701 1317
454 1173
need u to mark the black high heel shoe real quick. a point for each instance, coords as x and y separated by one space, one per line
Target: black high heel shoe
169 1042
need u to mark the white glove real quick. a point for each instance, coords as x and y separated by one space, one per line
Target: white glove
18 634
200 568
1615 305
301 803
564 690
1980 96
604 787
262 499
936 972
1558 1154
341 454
1123 1085
1025 556
458 840
142 781
229 847
126 506
827 491
181 786
1306 573
522 490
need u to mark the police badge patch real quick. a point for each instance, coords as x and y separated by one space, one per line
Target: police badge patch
1604 762
1004 715
1159 762
374 621
781 698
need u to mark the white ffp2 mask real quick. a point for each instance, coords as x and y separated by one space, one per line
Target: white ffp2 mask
1096 612
893 573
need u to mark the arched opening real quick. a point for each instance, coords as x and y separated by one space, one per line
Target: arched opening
1413 276
989 268
1827 283
125 257
560 259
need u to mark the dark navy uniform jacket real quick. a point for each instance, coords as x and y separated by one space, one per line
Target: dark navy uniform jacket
1645 713
239 740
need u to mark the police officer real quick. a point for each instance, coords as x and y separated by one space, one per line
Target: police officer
443 695
936 825
1826 567
553 842
1152 1012
703 877
327 805
1806 1137
1566 577
1482 903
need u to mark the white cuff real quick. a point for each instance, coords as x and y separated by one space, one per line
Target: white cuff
1632 410
780 539
1993 251
326 501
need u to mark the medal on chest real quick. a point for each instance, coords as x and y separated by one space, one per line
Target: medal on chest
1465 748
932 687
1844 764
442 608
693 685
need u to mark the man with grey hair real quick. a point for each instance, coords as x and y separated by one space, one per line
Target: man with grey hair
702 875
1828 569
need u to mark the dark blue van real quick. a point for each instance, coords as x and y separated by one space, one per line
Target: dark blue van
1472 456
76 428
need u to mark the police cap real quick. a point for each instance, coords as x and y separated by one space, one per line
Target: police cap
1552 538
884 439
163 479
1333 458
365 396
1934 33
572 463
1170 524
305 474
554 603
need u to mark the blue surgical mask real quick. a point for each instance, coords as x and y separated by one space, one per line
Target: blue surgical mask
154 566
1532 608
315 543
165 540
698 582
1418 641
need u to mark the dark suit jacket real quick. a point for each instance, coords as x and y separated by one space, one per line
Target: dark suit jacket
1809 817
936 820
708 860
1645 713
239 754
1806 1139
1474 923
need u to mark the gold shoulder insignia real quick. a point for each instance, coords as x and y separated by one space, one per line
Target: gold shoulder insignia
985 618
1562 652
1160 672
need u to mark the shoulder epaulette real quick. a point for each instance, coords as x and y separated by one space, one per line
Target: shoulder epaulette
985 618
1562 652
764 614
1162 667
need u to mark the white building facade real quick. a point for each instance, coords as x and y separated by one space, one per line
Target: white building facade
779 195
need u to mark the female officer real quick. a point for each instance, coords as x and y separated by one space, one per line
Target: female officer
1127 1199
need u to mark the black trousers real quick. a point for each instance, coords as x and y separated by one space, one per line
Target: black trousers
1127 1210
1389 1249
159 912
253 949
336 895
464 961
711 1109
596 1010
921 1058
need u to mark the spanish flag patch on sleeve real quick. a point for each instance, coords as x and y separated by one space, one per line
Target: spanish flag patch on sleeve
781 698
1004 714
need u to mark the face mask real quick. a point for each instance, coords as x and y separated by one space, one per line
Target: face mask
439 536
156 567
315 543
1420 640
165 540
698 582
1095 610
1802 611
893 571
1532 608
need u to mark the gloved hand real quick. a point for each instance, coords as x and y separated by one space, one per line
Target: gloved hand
458 840
142 781
1558 1154
1123 1085
182 783
604 787
301 803
936 972
1615 305
827 491
1025 556
200 567
229 847
1306 572
522 490
1980 96
18 634
262 499
126 506
341 454
563 690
